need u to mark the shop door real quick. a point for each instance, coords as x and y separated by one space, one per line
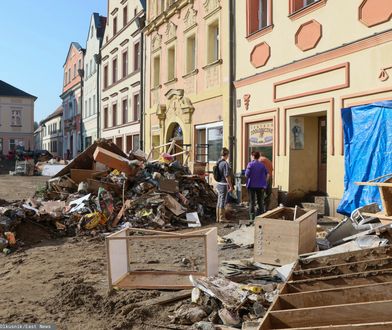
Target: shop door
322 154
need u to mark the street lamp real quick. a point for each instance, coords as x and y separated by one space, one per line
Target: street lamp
81 75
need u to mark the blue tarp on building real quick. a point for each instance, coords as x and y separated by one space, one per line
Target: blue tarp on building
367 152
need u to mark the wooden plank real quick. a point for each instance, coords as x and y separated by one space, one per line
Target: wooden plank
80 175
173 205
346 268
363 326
346 295
144 280
94 185
374 184
340 281
113 160
369 312
386 197
340 258
167 298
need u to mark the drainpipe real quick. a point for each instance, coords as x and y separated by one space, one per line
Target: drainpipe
97 59
141 23
232 104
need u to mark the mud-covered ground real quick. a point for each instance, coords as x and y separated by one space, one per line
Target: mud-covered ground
64 281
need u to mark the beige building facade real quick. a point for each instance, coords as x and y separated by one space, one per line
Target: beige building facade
188 76
121 74
16 119
298 64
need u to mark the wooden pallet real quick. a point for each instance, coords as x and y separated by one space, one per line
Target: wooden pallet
343 291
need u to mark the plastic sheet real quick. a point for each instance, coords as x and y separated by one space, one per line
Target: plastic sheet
367 152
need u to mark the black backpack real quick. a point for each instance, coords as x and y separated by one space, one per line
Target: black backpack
215 171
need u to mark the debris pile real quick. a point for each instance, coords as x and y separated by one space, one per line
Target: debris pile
103 188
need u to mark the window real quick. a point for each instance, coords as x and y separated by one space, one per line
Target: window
161 6
91 67
125 111
86 70
105 76
135 142
213 42
157 68
210 142
16 118
135 12
54 146
125 16
114 115
258 15
88 141
80 64
69 76
191 54
296 5
125 64
85 109
89 106
65 78
74 75
136 56
171 59
114 26
94 110
136 107
105 117
114 70
12 144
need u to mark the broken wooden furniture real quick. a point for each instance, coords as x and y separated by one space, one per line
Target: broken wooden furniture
281 235
113 160
127 271
350 290
385 189
172 146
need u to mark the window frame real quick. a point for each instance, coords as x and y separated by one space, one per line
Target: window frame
305 9
114 115
136 113
266 28
125 64
206 127
106 76
114 70
136 56
187 62
171 67
124 112
215 54
105 117
125 16
156 73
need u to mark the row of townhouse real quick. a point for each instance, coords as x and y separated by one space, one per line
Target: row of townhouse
267 75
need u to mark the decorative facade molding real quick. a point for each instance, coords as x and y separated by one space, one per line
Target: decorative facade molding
156 42
211 5
171 31
190 18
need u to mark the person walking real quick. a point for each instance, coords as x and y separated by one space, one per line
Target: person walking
222 174
257 177
268 164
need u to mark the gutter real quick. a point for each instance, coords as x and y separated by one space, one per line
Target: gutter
232 91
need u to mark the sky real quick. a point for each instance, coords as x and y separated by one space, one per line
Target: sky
35 37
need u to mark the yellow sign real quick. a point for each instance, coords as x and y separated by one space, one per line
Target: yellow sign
261 134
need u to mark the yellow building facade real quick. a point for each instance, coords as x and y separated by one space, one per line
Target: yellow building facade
298 63
187 76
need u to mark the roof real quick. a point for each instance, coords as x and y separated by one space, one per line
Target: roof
9 90
78 48
100 23
56 113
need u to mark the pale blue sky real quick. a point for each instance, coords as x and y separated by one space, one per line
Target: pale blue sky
35 36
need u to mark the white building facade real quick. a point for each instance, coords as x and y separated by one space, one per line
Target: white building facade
91 84
121 74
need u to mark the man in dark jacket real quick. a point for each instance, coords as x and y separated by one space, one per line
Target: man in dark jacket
257 178
224 185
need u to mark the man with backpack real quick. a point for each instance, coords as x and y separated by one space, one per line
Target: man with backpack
222 175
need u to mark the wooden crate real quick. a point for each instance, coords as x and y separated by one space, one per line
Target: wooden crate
122 272
279 239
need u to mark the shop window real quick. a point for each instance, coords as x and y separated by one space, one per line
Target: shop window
157 68
260 138
171 63
296 5
213 42
12 144
259 15
209 143
191 54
